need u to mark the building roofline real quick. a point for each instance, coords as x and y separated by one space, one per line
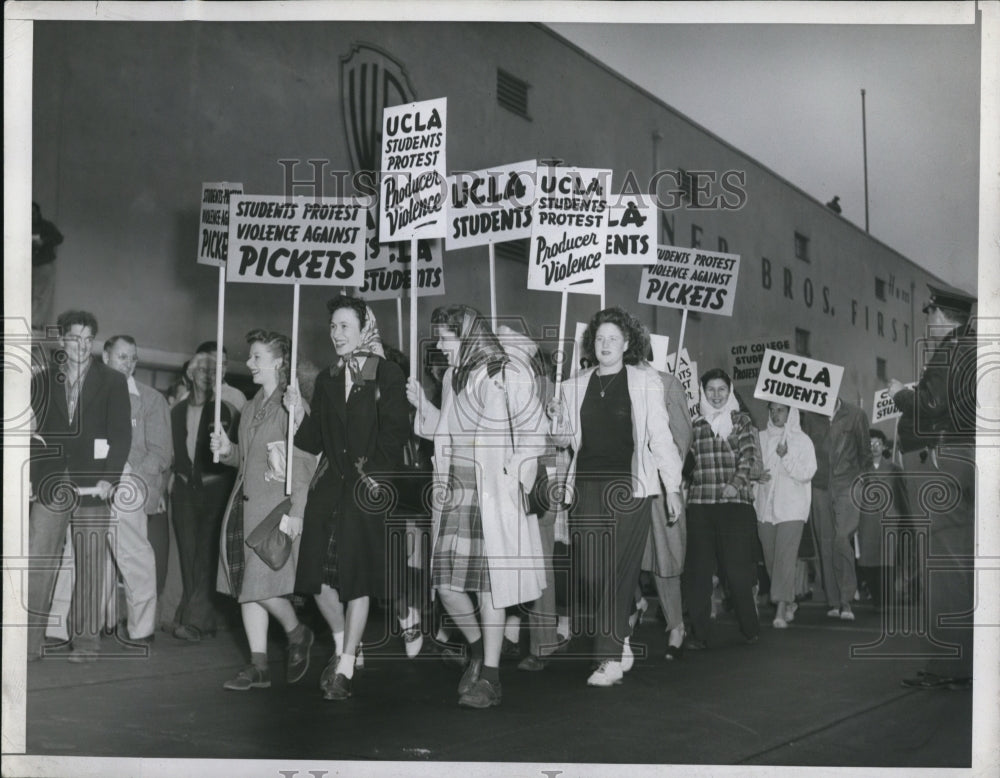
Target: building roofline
683 117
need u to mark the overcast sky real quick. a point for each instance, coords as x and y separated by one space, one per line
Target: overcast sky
790 97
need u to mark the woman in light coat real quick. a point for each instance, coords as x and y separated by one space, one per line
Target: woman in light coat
614 418
485 451
259 489
782 502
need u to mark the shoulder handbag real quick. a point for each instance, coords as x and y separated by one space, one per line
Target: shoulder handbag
271 544
536 500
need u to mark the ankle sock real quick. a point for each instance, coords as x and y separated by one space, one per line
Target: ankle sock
476 649
491 674
298 634
562 626
512 629
345 665
258 659
338 642
412 618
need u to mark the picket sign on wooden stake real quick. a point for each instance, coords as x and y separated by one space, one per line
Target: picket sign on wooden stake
493 289
218 354
292 381
560 352
680 341
413 307
399 321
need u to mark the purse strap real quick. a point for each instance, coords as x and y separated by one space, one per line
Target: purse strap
506 399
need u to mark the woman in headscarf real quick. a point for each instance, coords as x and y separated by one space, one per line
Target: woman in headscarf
783 502
614 417
260 488
486 447
720 517
359 422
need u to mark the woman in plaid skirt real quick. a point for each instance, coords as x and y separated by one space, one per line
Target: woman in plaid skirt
486 445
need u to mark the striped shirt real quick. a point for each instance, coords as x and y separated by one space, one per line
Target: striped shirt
720 462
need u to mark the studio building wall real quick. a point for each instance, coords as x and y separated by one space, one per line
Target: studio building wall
130 119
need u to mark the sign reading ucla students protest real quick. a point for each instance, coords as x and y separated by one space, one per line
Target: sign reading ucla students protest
275 239
490 206
691 279
393 280
884 407
213 233
745 357
569 234
632 226
413 190
803 383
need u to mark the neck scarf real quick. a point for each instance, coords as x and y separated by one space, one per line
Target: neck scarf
369 346
720 419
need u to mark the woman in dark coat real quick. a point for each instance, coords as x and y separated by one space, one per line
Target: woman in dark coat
360 423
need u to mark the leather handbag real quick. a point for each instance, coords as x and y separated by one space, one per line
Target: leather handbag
269 543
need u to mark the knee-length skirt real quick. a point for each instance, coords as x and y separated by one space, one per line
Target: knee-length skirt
459 560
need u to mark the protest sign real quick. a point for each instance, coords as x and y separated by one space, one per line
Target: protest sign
884 408
570 230
275 239
632 226
491 206
413 189
687 374
213 234
800 382
393 280
661 347
745 357
691 279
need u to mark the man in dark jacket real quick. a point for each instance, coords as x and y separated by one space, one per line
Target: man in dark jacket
82 416
938 435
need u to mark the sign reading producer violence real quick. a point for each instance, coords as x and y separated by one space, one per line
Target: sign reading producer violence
278 240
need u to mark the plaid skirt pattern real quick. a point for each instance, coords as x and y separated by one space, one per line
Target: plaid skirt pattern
330 561
234 543
459 560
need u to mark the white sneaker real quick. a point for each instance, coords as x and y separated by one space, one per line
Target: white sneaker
847 615
790 609
780 624
608 674
833 613
628 658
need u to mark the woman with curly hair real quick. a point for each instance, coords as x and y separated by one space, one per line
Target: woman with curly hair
486 445
260 489
614 418
721 521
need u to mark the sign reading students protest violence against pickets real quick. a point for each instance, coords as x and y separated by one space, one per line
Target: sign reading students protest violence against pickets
687 374
275 239
691 279
745 357
884 407
490 206
570 230
803 383
632 226
413 191
391 280
213 238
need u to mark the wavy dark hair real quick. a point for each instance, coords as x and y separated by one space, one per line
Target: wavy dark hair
633 330
356 304
479 345
279 346
716 372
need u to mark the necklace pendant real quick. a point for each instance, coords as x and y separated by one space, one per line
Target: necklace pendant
602 393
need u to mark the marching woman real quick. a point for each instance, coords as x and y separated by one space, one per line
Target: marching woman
486 446
260 489
784 496
615 420
720 517
359 421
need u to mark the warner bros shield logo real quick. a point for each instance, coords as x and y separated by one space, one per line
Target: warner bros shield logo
370 81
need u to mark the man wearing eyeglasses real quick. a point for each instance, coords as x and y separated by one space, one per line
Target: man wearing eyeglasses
81 409
937 434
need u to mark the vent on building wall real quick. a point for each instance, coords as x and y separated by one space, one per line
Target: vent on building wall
881 369
516 250
879 289
801 246
512 93
802 342
686 184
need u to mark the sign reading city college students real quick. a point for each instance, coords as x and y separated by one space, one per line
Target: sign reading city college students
745 357
884 407
491 206
213 235
413 190
803 383
632 228
393 279
275 239
570 230
691 279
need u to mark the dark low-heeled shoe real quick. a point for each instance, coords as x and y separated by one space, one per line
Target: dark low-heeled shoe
694 644
675 652
470 676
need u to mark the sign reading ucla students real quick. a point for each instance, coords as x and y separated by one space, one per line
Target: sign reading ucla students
392 279
490 206
691 279
213 233
274 239
413 189
803 383
569 235
632 228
